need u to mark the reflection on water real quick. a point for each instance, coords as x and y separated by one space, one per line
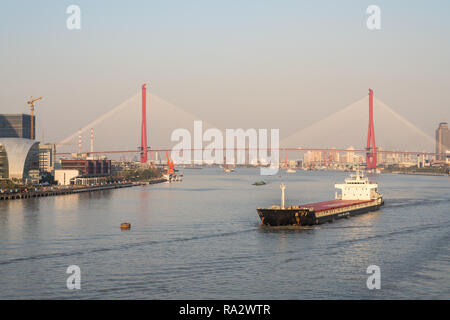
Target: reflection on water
201 238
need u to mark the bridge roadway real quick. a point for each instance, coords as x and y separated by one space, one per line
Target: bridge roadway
246 149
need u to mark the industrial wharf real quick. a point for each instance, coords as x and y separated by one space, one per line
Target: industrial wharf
73 189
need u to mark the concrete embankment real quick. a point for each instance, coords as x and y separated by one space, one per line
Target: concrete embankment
73 189
157 180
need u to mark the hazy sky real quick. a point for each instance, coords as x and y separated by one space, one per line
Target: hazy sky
267 64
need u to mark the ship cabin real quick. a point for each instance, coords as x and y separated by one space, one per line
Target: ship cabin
357 187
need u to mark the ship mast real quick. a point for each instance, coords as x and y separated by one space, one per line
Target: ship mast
282 187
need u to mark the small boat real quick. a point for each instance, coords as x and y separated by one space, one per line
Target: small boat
259 183
125 226
172 177
290 170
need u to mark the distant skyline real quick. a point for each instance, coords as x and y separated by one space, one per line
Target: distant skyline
262 64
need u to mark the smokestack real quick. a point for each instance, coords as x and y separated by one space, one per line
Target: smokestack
92 141
79 142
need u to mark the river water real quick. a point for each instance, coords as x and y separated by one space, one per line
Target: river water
201 239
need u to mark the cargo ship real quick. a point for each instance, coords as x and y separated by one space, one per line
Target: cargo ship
357 195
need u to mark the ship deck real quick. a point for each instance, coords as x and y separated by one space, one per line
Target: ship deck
332 204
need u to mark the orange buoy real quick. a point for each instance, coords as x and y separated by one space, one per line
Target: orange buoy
125 226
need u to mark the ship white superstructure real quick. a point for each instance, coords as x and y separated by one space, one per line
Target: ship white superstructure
358 187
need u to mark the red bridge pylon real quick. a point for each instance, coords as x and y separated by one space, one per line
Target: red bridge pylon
371 155
144 151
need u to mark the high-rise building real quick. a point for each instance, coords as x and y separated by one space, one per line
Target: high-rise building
380 155
335 156
4 169
16 126
442 140
350 155
307 158
317 157
46 155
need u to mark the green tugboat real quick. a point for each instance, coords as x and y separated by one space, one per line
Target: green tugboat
259 183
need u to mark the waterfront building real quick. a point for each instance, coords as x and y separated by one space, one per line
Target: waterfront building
254 161
65 176
16 126
407 164
395 158
442 141
88 167
292 163
19 159
46 158
360 159
83 171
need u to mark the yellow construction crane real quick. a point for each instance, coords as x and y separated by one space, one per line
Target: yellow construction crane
31 103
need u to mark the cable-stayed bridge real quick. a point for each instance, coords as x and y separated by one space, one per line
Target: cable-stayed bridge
338 132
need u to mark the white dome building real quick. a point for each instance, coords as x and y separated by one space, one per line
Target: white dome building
19 158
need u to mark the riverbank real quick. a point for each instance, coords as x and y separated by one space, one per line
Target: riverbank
56 191
420 173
